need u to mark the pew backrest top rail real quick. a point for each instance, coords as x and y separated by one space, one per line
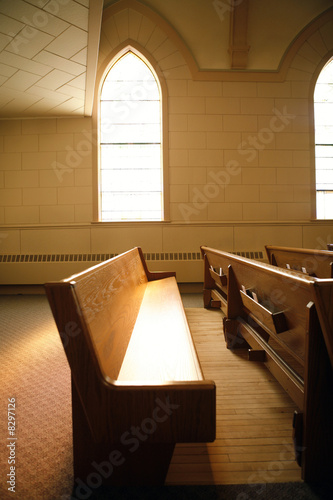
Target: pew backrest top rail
301 250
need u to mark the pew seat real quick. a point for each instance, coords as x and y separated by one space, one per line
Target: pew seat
160 348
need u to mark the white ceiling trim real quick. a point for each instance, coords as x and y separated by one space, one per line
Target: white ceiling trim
94 35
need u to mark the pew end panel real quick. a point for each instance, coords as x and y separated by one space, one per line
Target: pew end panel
324 300
316 447
215 284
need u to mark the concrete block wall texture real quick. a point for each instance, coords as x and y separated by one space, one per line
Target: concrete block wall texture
46 168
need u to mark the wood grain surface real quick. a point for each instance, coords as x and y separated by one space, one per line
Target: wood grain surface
299 353
161 391
317 263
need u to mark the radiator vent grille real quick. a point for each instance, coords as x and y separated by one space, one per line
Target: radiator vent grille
250 255
173 256
95 257
100 257
56 258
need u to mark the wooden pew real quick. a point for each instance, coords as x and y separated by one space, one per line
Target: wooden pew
317 263
137 384
284 319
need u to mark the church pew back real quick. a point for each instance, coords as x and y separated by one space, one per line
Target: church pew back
317 263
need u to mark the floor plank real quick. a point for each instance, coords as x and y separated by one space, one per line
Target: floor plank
254 417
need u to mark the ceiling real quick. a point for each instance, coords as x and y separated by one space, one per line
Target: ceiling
47 60
49 48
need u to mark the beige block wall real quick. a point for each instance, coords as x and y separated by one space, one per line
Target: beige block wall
240 171
46 171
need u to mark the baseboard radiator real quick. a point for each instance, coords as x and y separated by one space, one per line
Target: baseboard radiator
38 269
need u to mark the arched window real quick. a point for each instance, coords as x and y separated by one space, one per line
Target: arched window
323 115
131 170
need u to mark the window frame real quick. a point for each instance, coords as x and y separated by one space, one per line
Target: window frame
110 61
325 60
329 61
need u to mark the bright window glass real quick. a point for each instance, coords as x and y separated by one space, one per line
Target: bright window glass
323 113
131 176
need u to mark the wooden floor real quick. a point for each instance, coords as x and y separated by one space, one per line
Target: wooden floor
254 418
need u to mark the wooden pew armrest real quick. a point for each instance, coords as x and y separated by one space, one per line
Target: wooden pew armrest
154 275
